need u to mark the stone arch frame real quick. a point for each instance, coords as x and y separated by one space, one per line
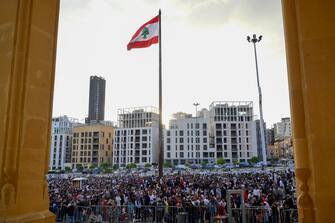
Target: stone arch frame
28 35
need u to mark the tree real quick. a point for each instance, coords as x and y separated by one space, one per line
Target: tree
167 165
204 163
131 166
67 169
254 159
104 166
147 165
93 166
220 161
80 167
115 166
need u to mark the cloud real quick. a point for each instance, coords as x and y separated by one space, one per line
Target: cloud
70 6
218 12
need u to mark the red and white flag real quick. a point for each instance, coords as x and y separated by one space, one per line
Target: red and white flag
146 35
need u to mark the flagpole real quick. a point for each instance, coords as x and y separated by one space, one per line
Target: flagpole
160 134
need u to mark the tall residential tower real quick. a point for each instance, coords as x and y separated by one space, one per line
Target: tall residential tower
96 107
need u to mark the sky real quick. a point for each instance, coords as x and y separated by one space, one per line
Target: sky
205 55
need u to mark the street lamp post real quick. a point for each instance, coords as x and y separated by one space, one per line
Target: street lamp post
255 40
196 104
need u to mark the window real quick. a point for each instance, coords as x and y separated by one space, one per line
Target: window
168 155
181 147
204 126
181 154
181 133
168 140
168 133
168 148
181 140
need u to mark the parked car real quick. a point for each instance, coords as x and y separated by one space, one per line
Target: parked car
180 167
244 164
228 165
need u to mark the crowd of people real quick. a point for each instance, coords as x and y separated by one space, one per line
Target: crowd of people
197 197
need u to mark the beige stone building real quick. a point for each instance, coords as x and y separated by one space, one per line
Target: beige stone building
282 149
92 144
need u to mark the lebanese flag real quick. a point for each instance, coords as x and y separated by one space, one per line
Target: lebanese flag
146 35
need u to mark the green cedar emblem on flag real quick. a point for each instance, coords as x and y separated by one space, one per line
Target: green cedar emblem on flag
145 32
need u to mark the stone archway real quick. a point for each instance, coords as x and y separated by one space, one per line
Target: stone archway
28 34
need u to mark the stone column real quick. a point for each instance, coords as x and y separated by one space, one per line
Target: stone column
28 35
310 49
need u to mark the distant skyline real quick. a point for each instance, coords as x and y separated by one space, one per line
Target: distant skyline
206 56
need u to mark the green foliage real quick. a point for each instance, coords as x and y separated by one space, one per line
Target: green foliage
147 165
254 159
168 165
104 166
80 167
67 169
108 170
131 166
115 166
220 161
204 163
236 162
93 166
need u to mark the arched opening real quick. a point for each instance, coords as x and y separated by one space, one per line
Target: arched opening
28 49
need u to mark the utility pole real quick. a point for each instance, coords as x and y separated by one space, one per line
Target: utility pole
255 40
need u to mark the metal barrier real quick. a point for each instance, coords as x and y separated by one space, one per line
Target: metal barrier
288 216
129 213
170 214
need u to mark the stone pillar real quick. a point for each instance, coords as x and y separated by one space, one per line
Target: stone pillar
310 49
28 35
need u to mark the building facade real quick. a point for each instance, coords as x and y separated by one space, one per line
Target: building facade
92 144
61 142
96 107
283 129
187 139
225 131
282 149
234 130
136 138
